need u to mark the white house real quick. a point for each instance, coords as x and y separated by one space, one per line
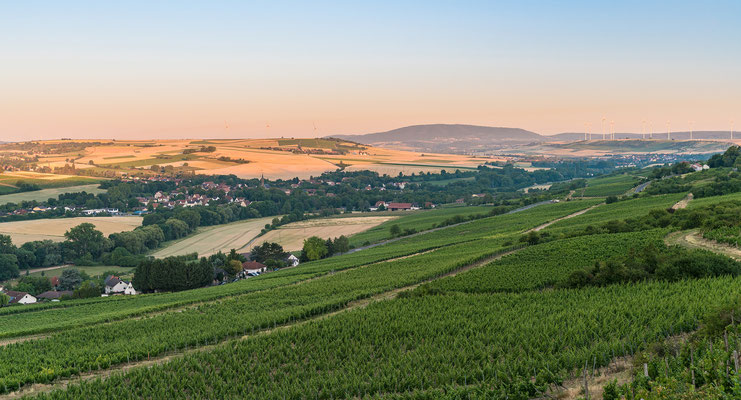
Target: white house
292 260
20 297
114 285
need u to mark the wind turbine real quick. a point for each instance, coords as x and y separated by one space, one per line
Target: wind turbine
643 129
731 129
691 126
612 130
585 132
651 127
603 128
668 130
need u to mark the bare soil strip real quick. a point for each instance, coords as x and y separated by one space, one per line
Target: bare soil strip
576 214
694 240
163 358
683 203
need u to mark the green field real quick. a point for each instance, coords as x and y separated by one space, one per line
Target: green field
45 194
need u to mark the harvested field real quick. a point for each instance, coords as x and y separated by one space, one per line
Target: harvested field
273 158
54 229
291 236
211 240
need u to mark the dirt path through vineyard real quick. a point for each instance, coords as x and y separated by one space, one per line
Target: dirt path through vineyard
693 239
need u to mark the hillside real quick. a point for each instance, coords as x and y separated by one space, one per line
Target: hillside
444 138
467 139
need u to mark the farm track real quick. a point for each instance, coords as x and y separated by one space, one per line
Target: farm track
684 202
576 214
694 240
39 388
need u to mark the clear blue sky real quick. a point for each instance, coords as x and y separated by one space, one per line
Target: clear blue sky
188 69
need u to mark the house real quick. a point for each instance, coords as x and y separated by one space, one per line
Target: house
696 167
20 297
253 267
292 260
54 295
399 206
114 285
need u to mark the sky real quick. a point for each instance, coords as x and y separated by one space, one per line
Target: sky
187 69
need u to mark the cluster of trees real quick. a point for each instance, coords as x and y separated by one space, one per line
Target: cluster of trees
652 262
316 248
270 254
730 158
173 273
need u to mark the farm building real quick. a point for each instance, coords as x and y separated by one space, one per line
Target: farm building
292 260
114 285
20 297
54 295
399 206
253 267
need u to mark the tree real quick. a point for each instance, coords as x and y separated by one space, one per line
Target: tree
84 238
395 230
342 244
35 284
8 266
6 245
4 299
233 267
86 290
314 248
177 228
70 279
268 251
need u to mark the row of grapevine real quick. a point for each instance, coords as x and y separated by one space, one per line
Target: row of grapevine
19 321
488 345
73 351
549 263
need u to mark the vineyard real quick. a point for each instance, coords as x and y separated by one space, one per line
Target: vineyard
610 185
507 344
546 264
475 310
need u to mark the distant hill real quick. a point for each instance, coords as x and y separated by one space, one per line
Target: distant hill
444 138
466 139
